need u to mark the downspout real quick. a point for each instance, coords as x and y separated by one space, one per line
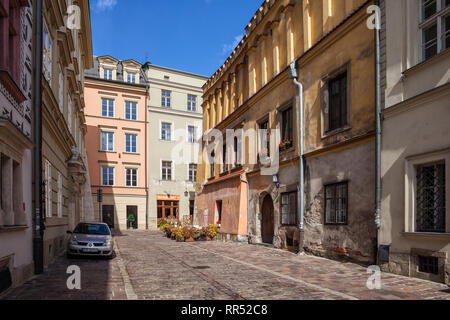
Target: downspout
293 74
147 174
38 232
248 203
378 124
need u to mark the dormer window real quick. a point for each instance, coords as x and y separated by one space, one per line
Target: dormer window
131 78
107 74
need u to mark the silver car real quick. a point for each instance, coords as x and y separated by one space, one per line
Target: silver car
91 239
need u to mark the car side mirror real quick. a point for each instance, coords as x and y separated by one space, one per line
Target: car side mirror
69 232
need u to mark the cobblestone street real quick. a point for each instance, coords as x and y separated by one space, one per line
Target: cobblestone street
150 266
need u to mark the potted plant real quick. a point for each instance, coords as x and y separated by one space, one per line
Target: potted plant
286 144
211 232
168 230
187 234
196 234
203 234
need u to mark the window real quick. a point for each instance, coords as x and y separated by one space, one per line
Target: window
192 134
130 143
107 141
287 125
69 114
165 98
61 90
337 110
166 131
435 27
48 189
289 209
192 103
429 265
60 195
219 210
107 108
264 140
192 172
168 209
212 167
131 111
166 171
107 74
336 203
107 176
47 55
131 78
431 198
131 177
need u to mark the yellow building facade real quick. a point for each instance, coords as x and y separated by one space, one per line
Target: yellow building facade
333 49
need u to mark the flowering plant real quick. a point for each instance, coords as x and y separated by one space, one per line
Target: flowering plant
286 144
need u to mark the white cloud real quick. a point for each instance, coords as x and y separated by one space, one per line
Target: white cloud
104 5
228 48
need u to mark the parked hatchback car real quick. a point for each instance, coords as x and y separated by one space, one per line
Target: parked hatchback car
91 239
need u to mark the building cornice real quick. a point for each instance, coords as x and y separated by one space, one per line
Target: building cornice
176 112
111 85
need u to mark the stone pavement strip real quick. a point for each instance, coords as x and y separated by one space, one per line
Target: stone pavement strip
152 267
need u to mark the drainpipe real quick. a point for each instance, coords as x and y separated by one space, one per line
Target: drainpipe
38 234
248 203
293 74
378 125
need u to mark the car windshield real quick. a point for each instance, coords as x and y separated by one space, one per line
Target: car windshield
94 229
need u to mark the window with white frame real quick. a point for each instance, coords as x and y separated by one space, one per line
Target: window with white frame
192 103
47 55
107 176
166 170
166 131
60 195
107 142
48 189
427 193
107 74
131 78
130 110
130 143
435 27
192 172
192 134
430 198
107 108
165 98
131 177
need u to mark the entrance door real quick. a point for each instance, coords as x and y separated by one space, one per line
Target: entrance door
108 215
267 225
132 217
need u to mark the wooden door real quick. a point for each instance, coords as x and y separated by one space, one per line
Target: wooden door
268 223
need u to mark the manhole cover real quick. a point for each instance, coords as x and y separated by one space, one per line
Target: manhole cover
201 267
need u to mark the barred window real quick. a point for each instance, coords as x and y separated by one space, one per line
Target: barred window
289 209
431 198
336 203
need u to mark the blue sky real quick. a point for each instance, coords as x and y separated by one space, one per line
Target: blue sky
190 35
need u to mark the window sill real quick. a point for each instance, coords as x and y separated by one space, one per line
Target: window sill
102 151
335 132
440 56
13 229
427 235
132 153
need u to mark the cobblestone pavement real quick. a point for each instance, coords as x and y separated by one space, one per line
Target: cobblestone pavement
150 266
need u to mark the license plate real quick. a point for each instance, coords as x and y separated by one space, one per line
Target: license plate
90 250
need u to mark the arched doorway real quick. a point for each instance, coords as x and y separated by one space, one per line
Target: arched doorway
267 225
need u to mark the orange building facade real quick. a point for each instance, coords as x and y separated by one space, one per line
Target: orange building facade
116 142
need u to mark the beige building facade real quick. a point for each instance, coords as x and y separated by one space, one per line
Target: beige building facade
175 125
16 255
67 53
414 238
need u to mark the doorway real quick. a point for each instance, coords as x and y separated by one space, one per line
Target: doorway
132 217
108 215
267 224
